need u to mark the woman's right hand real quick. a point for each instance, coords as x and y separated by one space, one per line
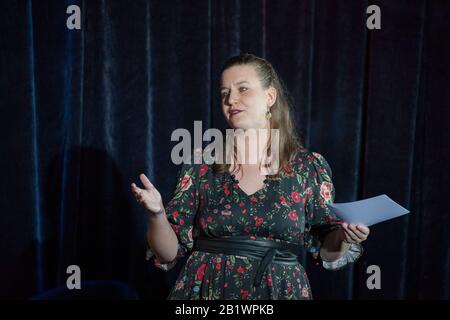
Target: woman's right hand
149 197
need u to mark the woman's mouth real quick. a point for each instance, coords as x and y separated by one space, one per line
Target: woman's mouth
234 112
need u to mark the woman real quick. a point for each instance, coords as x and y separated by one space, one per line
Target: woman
241 228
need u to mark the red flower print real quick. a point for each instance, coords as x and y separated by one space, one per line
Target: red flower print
203 169
253 199
201 271
269 280
226 212
209 219
202 223
218 266
259 222
225 285
175 214
227 192
244 211
325 190
240 270
241 204
181 222
244 294
289 287
283 201
295 196
185 183
293 216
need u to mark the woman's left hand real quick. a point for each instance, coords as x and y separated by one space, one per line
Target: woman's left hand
355 233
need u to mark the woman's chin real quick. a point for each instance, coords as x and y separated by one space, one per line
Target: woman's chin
236 124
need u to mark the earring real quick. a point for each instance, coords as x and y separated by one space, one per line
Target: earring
268 114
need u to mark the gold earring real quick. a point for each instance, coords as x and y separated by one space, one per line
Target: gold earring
268 114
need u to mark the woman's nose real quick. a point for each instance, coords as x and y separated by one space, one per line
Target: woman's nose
233 98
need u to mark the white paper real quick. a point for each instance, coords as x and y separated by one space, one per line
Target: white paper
368 211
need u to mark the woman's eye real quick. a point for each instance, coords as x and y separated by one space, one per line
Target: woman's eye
243 89
224 94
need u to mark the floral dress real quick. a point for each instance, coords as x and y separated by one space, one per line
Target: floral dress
292 209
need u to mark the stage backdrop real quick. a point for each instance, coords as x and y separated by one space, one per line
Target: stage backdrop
83 112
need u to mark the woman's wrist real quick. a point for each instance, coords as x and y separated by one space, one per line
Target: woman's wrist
158 213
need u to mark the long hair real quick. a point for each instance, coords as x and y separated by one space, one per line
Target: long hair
281 119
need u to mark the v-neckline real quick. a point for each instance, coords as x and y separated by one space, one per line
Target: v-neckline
235 180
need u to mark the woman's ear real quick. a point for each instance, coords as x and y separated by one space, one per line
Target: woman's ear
271 96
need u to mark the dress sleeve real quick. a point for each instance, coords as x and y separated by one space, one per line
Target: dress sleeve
320 220
181 211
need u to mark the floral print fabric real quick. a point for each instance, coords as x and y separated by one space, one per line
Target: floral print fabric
291 209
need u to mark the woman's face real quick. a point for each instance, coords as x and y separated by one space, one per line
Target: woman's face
244 101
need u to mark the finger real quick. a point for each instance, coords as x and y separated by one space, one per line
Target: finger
347 238
351 235
134 186
364 229
139 198
137 192
350 238
147 184
358 233
135 189
353 230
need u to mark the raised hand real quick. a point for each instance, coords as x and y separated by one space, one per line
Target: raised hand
149 197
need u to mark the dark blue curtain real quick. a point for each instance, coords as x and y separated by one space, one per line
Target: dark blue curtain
83 112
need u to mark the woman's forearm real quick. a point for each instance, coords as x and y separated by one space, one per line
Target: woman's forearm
161 238
333 246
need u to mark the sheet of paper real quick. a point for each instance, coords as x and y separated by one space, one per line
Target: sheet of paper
368 211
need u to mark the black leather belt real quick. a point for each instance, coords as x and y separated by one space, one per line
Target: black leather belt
267 251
